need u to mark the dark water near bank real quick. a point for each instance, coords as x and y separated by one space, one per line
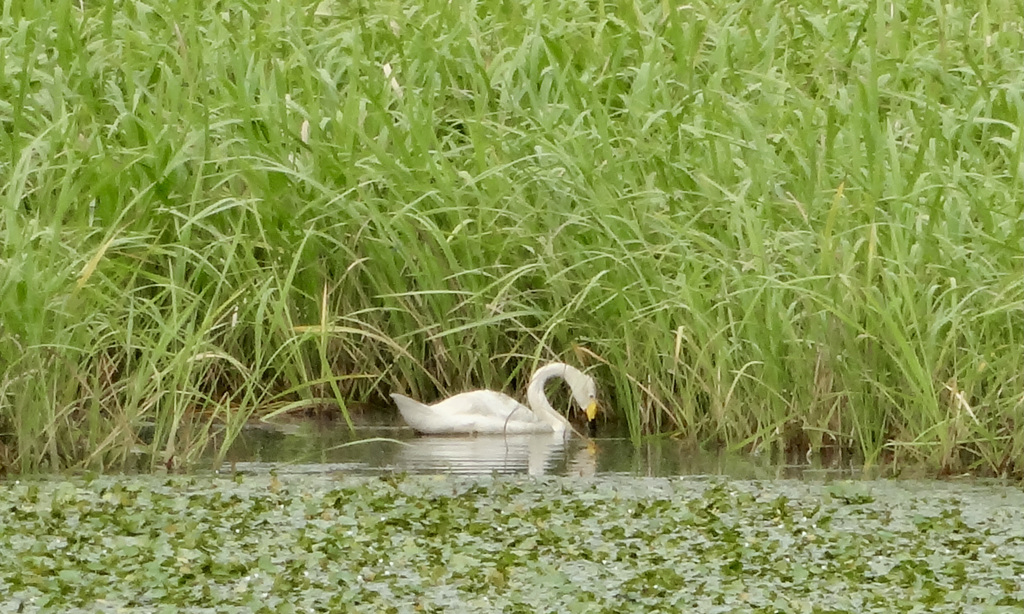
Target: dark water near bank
312 447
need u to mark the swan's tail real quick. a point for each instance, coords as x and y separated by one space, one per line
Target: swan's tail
413 412
405 403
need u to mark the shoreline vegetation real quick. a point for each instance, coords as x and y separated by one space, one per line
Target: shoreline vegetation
760 225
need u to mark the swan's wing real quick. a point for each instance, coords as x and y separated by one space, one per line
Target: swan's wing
485 406
479 411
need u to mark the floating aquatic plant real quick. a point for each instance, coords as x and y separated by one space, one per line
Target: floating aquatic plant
411 544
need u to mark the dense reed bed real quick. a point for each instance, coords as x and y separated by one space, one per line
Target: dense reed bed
769 225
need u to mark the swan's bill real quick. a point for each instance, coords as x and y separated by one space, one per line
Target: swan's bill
591 410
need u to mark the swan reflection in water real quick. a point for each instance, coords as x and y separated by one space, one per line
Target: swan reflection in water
530 453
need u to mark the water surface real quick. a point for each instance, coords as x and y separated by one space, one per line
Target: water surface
315 447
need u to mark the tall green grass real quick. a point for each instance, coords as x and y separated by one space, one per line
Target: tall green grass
770 225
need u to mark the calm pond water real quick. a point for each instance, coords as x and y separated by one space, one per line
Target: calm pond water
312 447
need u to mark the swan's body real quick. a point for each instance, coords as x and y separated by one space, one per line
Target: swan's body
487 411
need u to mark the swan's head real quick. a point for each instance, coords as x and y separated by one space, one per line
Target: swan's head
584 391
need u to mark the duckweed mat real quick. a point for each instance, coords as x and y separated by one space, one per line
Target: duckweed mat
435 544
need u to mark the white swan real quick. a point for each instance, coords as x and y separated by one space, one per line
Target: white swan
487 411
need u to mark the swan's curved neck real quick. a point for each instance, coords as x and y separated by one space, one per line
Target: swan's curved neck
539 401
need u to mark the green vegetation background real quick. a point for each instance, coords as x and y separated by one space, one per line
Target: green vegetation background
765 224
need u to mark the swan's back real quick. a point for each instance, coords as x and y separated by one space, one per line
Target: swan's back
479 411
